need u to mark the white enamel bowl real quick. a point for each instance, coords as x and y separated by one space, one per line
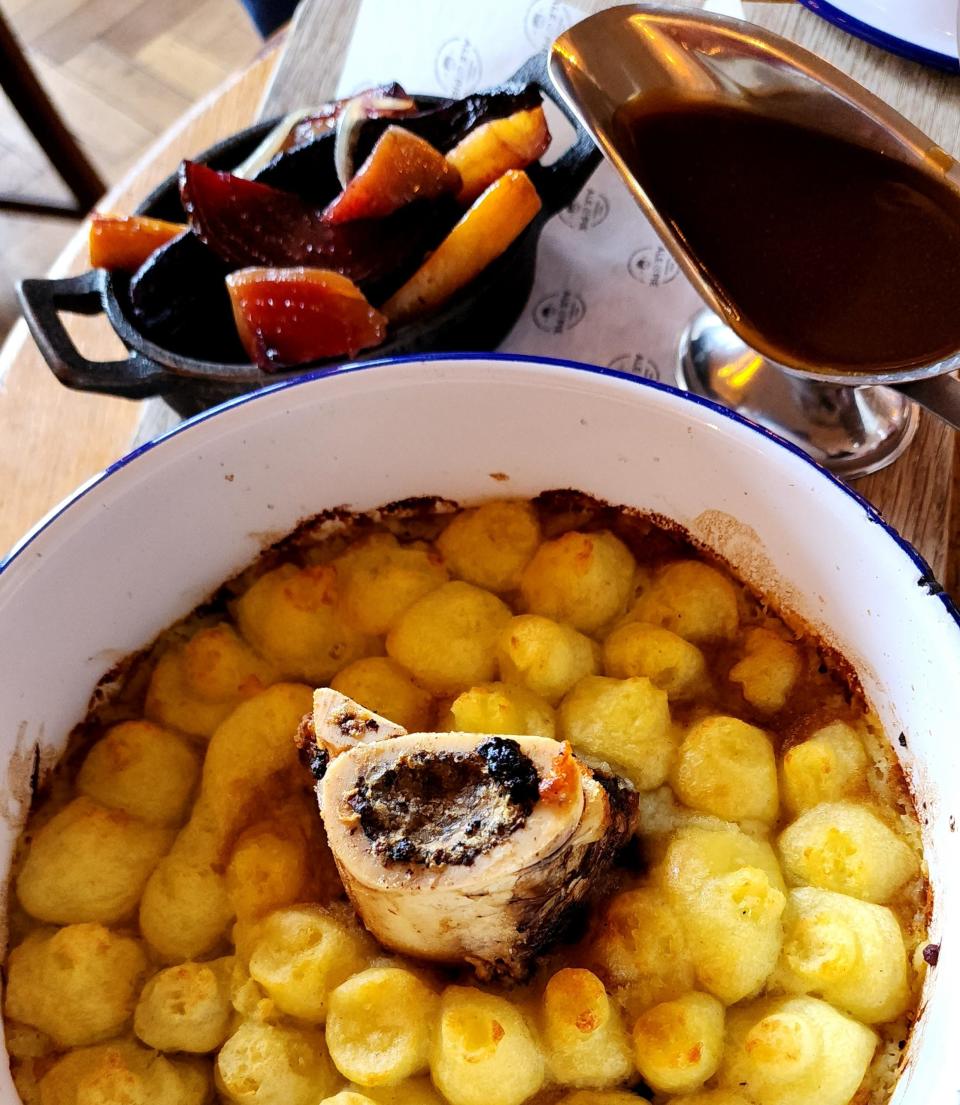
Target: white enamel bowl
141 545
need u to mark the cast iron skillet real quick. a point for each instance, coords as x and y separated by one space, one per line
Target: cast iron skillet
476 319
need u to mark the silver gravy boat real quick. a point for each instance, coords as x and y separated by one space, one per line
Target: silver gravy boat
844 420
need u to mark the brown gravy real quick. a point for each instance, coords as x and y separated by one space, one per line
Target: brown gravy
830 256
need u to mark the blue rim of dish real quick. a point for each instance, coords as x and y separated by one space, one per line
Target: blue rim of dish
926 580
856 27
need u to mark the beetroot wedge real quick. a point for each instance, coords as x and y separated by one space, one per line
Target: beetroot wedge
247 223
287 317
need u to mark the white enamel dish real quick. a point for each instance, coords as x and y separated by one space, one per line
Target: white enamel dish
921 30
142 544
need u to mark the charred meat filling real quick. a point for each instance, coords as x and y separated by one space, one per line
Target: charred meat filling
446 808
314 758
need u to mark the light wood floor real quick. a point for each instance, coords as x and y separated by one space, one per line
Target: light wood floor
120 71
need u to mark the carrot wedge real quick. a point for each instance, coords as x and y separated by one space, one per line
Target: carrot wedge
489 150
484 232
124 242
401 168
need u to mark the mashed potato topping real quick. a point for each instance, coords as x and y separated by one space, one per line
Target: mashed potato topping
179 933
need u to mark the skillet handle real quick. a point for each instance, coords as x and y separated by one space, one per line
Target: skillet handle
42 301
560 183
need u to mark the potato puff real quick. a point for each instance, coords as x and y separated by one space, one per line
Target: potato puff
848 952
622 722
582 1031
691 599
500 708
195 685
348 1097
378 579
380 1023
302 953
89 863
768 671
251 754
269 868
142 769
666 659
845 847
251 758
266 1064
185 909
792 1049
584 579
678 1045
728 768
547 657
291 616
383 686
186 1007
484 1052
124 1072
728 892
491 545
77 984
831 764
447 640
638 947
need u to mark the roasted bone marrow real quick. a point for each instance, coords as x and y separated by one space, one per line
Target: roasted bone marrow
460 847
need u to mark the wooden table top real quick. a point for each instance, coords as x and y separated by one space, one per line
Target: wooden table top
52 439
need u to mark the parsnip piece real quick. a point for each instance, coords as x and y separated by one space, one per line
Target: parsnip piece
484 232
491 149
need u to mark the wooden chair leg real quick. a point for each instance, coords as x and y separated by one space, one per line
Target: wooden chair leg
42 119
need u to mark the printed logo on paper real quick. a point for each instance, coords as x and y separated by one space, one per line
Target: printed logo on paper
588 210
545 19
558 312
652 265
458 67
636 364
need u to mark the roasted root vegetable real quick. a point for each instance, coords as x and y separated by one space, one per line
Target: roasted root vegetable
247 223
300 128
484 232
401 168
124 242
488 151
291 316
